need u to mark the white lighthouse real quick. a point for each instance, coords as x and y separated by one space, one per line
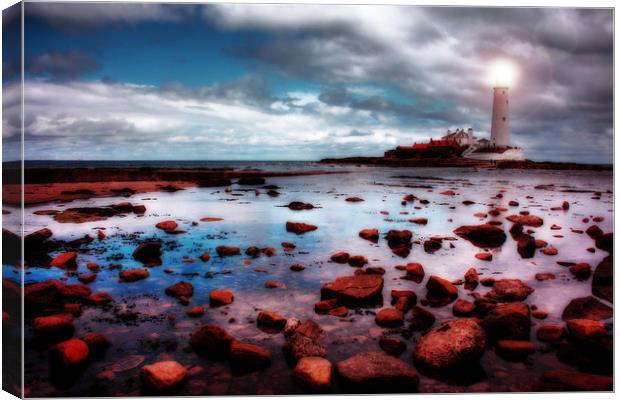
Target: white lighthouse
500 127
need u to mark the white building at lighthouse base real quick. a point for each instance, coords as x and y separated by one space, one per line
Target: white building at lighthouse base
507 154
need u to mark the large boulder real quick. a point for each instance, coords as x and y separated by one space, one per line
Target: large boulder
506 290
377 372
452 344
162 377
313 374
211 341
587 308
485 235
354 290
246 357
508 321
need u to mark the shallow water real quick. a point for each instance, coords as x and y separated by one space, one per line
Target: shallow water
251 220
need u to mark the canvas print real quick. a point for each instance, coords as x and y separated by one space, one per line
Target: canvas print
283 199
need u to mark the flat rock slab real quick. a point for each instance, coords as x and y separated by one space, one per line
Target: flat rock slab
376 372
354 290
485 235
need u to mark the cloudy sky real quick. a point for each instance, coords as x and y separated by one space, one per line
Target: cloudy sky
302 82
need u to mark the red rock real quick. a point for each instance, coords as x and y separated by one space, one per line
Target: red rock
227 251
377 372
508 321
581 270
139 209
358 261
162 377
550 333
73 308
399 239
313 374
248 357
454 343
93 266
354 199
54 327
403 300
269 251
471 279
484 235
572 380
75 291
484 256
70 353
419 221
297 267
506 290
555 227
220 297
167 226
515 349
65 260
271 320
389 317
526 246
544 276
431 246
133 275
603 279
340 312
355 290
440 287
487 281
100 235
300 228
180 289
422 319
195 312
97 343
463 308
299 205
538 314
211 341
565 205
605 242
598 219
528 220
340 258
587 308
288 246
99 299
205 257
415 272
392 346
304 341
148 253
370 235
585 329
513 203
274 285
252 251
323 306
594 231
87 278
540 243
550 251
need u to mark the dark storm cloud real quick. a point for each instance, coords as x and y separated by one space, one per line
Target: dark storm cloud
62 65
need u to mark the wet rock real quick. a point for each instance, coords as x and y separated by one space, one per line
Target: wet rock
528 220
484 256
214 182
291 326
540 243
572 380
252 251
389 317
603 279
508 321
139 209
526 246
148 253
54 327
441 288
85 214
431 246
313 374
371 235
298 206
180 289
162 377
167 226
463 308
415 272
195 312
269 251
246 357
133 275
323 306
487 282
340 257
97 343
354 199
99 299
392 346
377 372
205 257
70 353
339 312
211 341
539 314
87 278
544 276
587 308
452 344
550 251
274 285
227 251
471 279
399 241
297 267
485 235
354 290
271 320
41 294
66 260
605 242
505 290
550 333
594 231
304 342
73 308
514 349
403 300
422 319
586 330
581 271
358 261
75 291
300 228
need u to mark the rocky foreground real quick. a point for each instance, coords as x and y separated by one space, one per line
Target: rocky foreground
499 320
